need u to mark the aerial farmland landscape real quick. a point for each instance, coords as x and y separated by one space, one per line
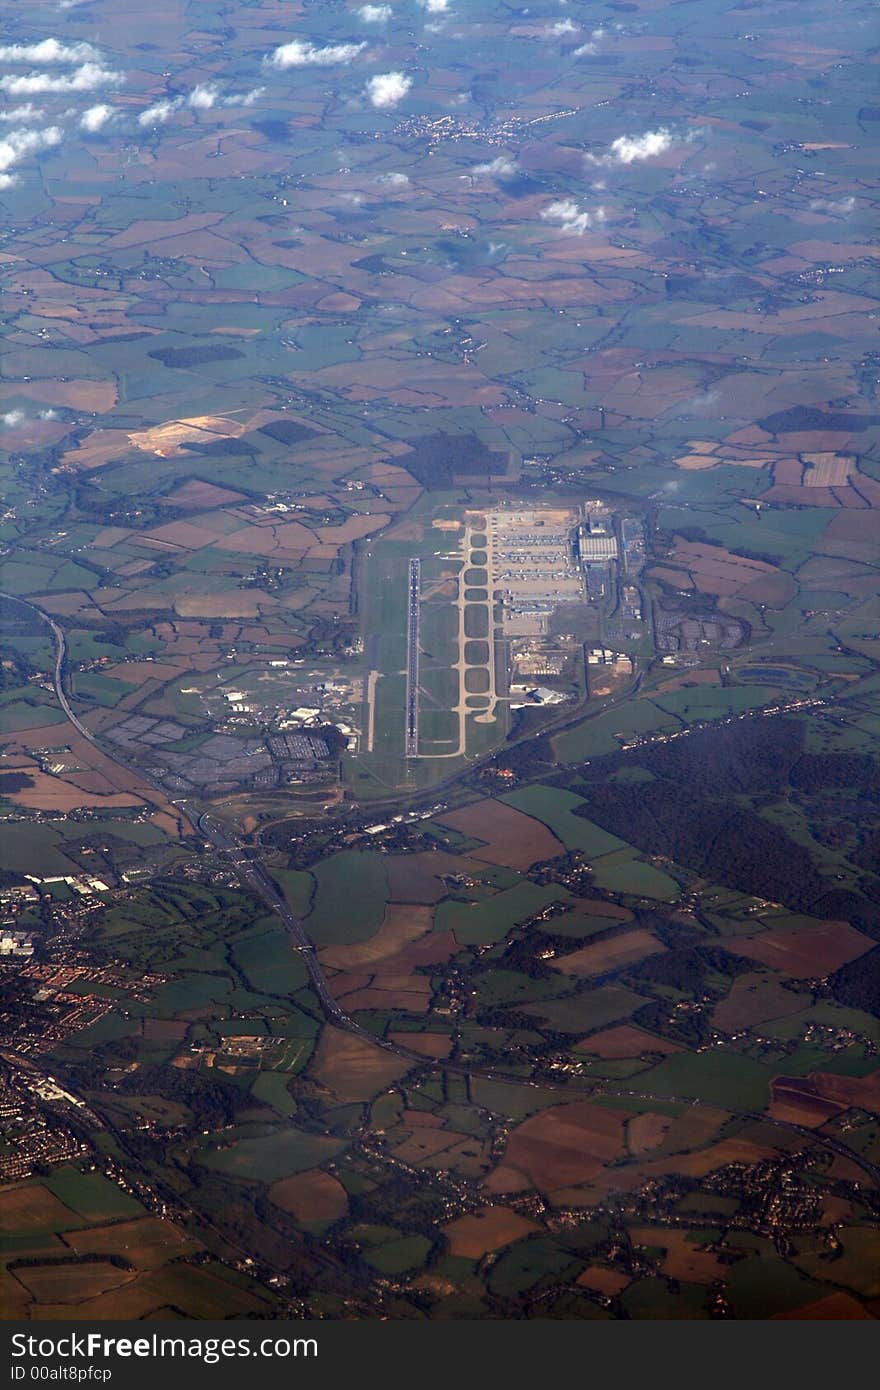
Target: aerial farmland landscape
440 660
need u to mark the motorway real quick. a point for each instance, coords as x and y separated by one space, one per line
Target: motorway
255 877
411 742
61 695
60 658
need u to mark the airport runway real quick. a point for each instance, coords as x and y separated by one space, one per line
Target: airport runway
411 740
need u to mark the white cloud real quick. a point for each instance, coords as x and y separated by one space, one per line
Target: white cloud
159 112
18 144
375 14
392 180
435 6
300 54
244 98
386 89
19 114
47 51
627 150
837 207
569 217
83 79
592 45
13 418
704 403
203 97
503 167
561 28
96 118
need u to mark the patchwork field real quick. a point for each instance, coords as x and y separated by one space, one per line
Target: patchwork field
440 448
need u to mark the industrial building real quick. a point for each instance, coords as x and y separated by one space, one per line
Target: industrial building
595 548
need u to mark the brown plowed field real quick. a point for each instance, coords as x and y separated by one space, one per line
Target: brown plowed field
147 1242
625 1040
566 1145
427 1044
601 1280
609 954
714 570
353 1068
683 1259
834 1307
402 924
511 838
475 1235
753 999
74 1282
310 1196
35 1208
815 951
415 878
797 1100
646 1132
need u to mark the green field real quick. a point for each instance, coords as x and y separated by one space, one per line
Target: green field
191 992
350 895
633 876
717 1077
589 1010
529 1262
298 888
34 849
91 1195
703 702
762 1286
18 715
271 1087
599 734
489 920
270 1157
268 960
556 808
397 1256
